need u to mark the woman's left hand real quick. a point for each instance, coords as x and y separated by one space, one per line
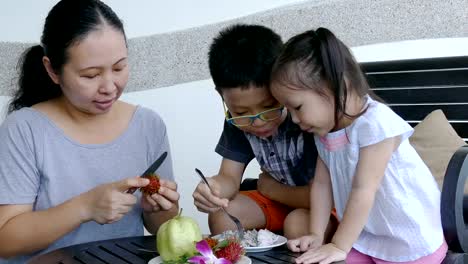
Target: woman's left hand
163 200
325 254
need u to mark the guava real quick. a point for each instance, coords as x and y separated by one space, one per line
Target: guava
177 237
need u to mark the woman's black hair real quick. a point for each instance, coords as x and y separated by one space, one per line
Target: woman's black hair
67 23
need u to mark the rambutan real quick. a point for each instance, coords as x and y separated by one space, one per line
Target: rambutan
153 186
232 251
212 242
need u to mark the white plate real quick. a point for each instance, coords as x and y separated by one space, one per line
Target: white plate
242 260
281 241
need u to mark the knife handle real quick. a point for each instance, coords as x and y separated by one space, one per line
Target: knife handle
131 190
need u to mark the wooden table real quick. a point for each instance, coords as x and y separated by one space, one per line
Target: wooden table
125 251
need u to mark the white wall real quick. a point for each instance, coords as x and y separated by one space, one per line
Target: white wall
412 49
141 17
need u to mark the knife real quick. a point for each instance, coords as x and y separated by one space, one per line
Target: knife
151 169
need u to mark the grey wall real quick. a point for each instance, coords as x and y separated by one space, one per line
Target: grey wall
179 57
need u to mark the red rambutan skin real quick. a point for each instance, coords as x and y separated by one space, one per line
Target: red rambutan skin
153 186
212 242
232 252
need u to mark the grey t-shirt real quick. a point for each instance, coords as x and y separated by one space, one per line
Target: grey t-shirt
40 165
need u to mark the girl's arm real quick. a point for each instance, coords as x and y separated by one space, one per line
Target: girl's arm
321 200
370 170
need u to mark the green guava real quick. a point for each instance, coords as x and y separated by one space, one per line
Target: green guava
177 237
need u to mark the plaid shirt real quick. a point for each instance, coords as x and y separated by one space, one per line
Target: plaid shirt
289 156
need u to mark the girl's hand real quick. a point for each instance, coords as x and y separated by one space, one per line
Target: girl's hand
207 201
305 243
108 203
164 200
325 254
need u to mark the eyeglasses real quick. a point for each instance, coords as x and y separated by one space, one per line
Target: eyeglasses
247 120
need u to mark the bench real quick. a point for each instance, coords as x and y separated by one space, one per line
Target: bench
413 89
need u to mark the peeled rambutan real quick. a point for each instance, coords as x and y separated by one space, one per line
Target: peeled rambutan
232 251
153 186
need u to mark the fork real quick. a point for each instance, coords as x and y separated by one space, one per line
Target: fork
240 229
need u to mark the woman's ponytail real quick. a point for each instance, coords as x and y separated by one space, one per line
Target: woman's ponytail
34 84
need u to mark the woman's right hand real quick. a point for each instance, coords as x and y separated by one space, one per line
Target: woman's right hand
305 243
108 203
209 201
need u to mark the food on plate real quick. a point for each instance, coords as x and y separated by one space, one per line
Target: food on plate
266 238
250 238
153 186
253 238
177 237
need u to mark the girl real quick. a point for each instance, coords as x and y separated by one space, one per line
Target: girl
386 198
69 145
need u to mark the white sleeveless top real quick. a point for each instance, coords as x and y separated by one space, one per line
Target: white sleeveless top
404 223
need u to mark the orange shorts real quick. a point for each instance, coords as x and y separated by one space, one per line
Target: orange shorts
275 212
334 219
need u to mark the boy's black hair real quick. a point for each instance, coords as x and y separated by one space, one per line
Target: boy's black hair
243 55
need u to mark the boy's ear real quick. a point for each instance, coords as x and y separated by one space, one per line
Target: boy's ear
50 70
228 114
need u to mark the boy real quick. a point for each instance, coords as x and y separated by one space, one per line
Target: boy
256 126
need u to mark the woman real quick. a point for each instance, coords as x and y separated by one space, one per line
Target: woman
69 145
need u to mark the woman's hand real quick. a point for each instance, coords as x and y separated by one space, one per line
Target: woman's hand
325 254
207 201
164 200
305 243
108 203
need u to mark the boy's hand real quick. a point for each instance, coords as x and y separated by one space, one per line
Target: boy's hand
164 200
207 201
325 254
